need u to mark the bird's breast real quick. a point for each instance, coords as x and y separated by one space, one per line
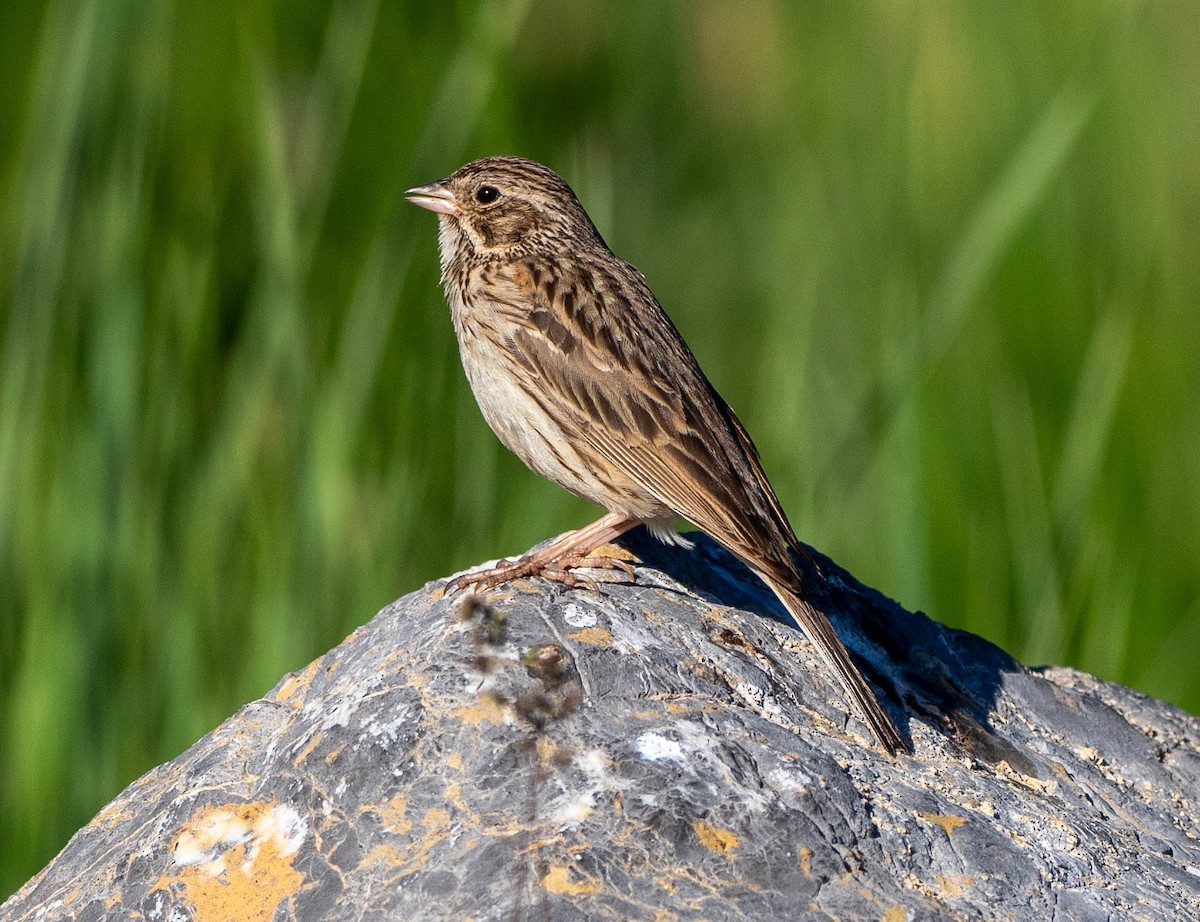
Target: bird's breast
529 427
503 389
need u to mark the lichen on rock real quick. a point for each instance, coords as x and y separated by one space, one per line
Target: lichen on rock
653 750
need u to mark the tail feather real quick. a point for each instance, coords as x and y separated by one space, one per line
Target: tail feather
816 627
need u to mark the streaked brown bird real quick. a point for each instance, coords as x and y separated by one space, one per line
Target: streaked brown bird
580 372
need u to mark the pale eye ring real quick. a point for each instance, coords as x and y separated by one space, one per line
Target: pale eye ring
485 195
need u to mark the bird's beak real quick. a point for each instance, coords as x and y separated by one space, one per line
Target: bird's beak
434 196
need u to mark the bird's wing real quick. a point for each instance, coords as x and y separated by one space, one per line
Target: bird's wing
610 365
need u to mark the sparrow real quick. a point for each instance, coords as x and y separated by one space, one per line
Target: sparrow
580 373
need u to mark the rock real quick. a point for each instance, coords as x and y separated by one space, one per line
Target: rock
653 751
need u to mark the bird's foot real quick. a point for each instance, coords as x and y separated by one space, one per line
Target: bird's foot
558 568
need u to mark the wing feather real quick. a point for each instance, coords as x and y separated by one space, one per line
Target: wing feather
661 423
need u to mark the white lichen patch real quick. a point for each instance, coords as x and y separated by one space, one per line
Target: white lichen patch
789 780
578 802
691 742
656 747
387 729
703 751
758 698
206 842
338 707
593 762
578 615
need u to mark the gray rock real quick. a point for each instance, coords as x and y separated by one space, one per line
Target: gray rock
653 751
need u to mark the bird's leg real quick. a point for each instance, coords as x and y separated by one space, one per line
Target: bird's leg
557 559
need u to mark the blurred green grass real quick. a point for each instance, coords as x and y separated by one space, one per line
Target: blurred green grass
942 260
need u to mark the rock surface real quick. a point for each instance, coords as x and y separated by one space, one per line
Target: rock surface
653 751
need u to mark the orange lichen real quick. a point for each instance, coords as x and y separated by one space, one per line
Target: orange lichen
296 681
954 884
308 748
392 815
561 879
948 823
407 858
488 709
334 753
714 838
805 857
597 636
233 863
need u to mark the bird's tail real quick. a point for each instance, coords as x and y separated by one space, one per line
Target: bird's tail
816 627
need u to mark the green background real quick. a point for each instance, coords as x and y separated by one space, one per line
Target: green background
941 258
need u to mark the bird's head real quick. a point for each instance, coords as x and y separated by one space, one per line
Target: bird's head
504 207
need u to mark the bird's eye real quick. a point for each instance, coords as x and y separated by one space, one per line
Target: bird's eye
485 195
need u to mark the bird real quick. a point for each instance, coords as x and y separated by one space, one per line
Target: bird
579 371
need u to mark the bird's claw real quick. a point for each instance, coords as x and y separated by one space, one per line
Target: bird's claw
560 571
